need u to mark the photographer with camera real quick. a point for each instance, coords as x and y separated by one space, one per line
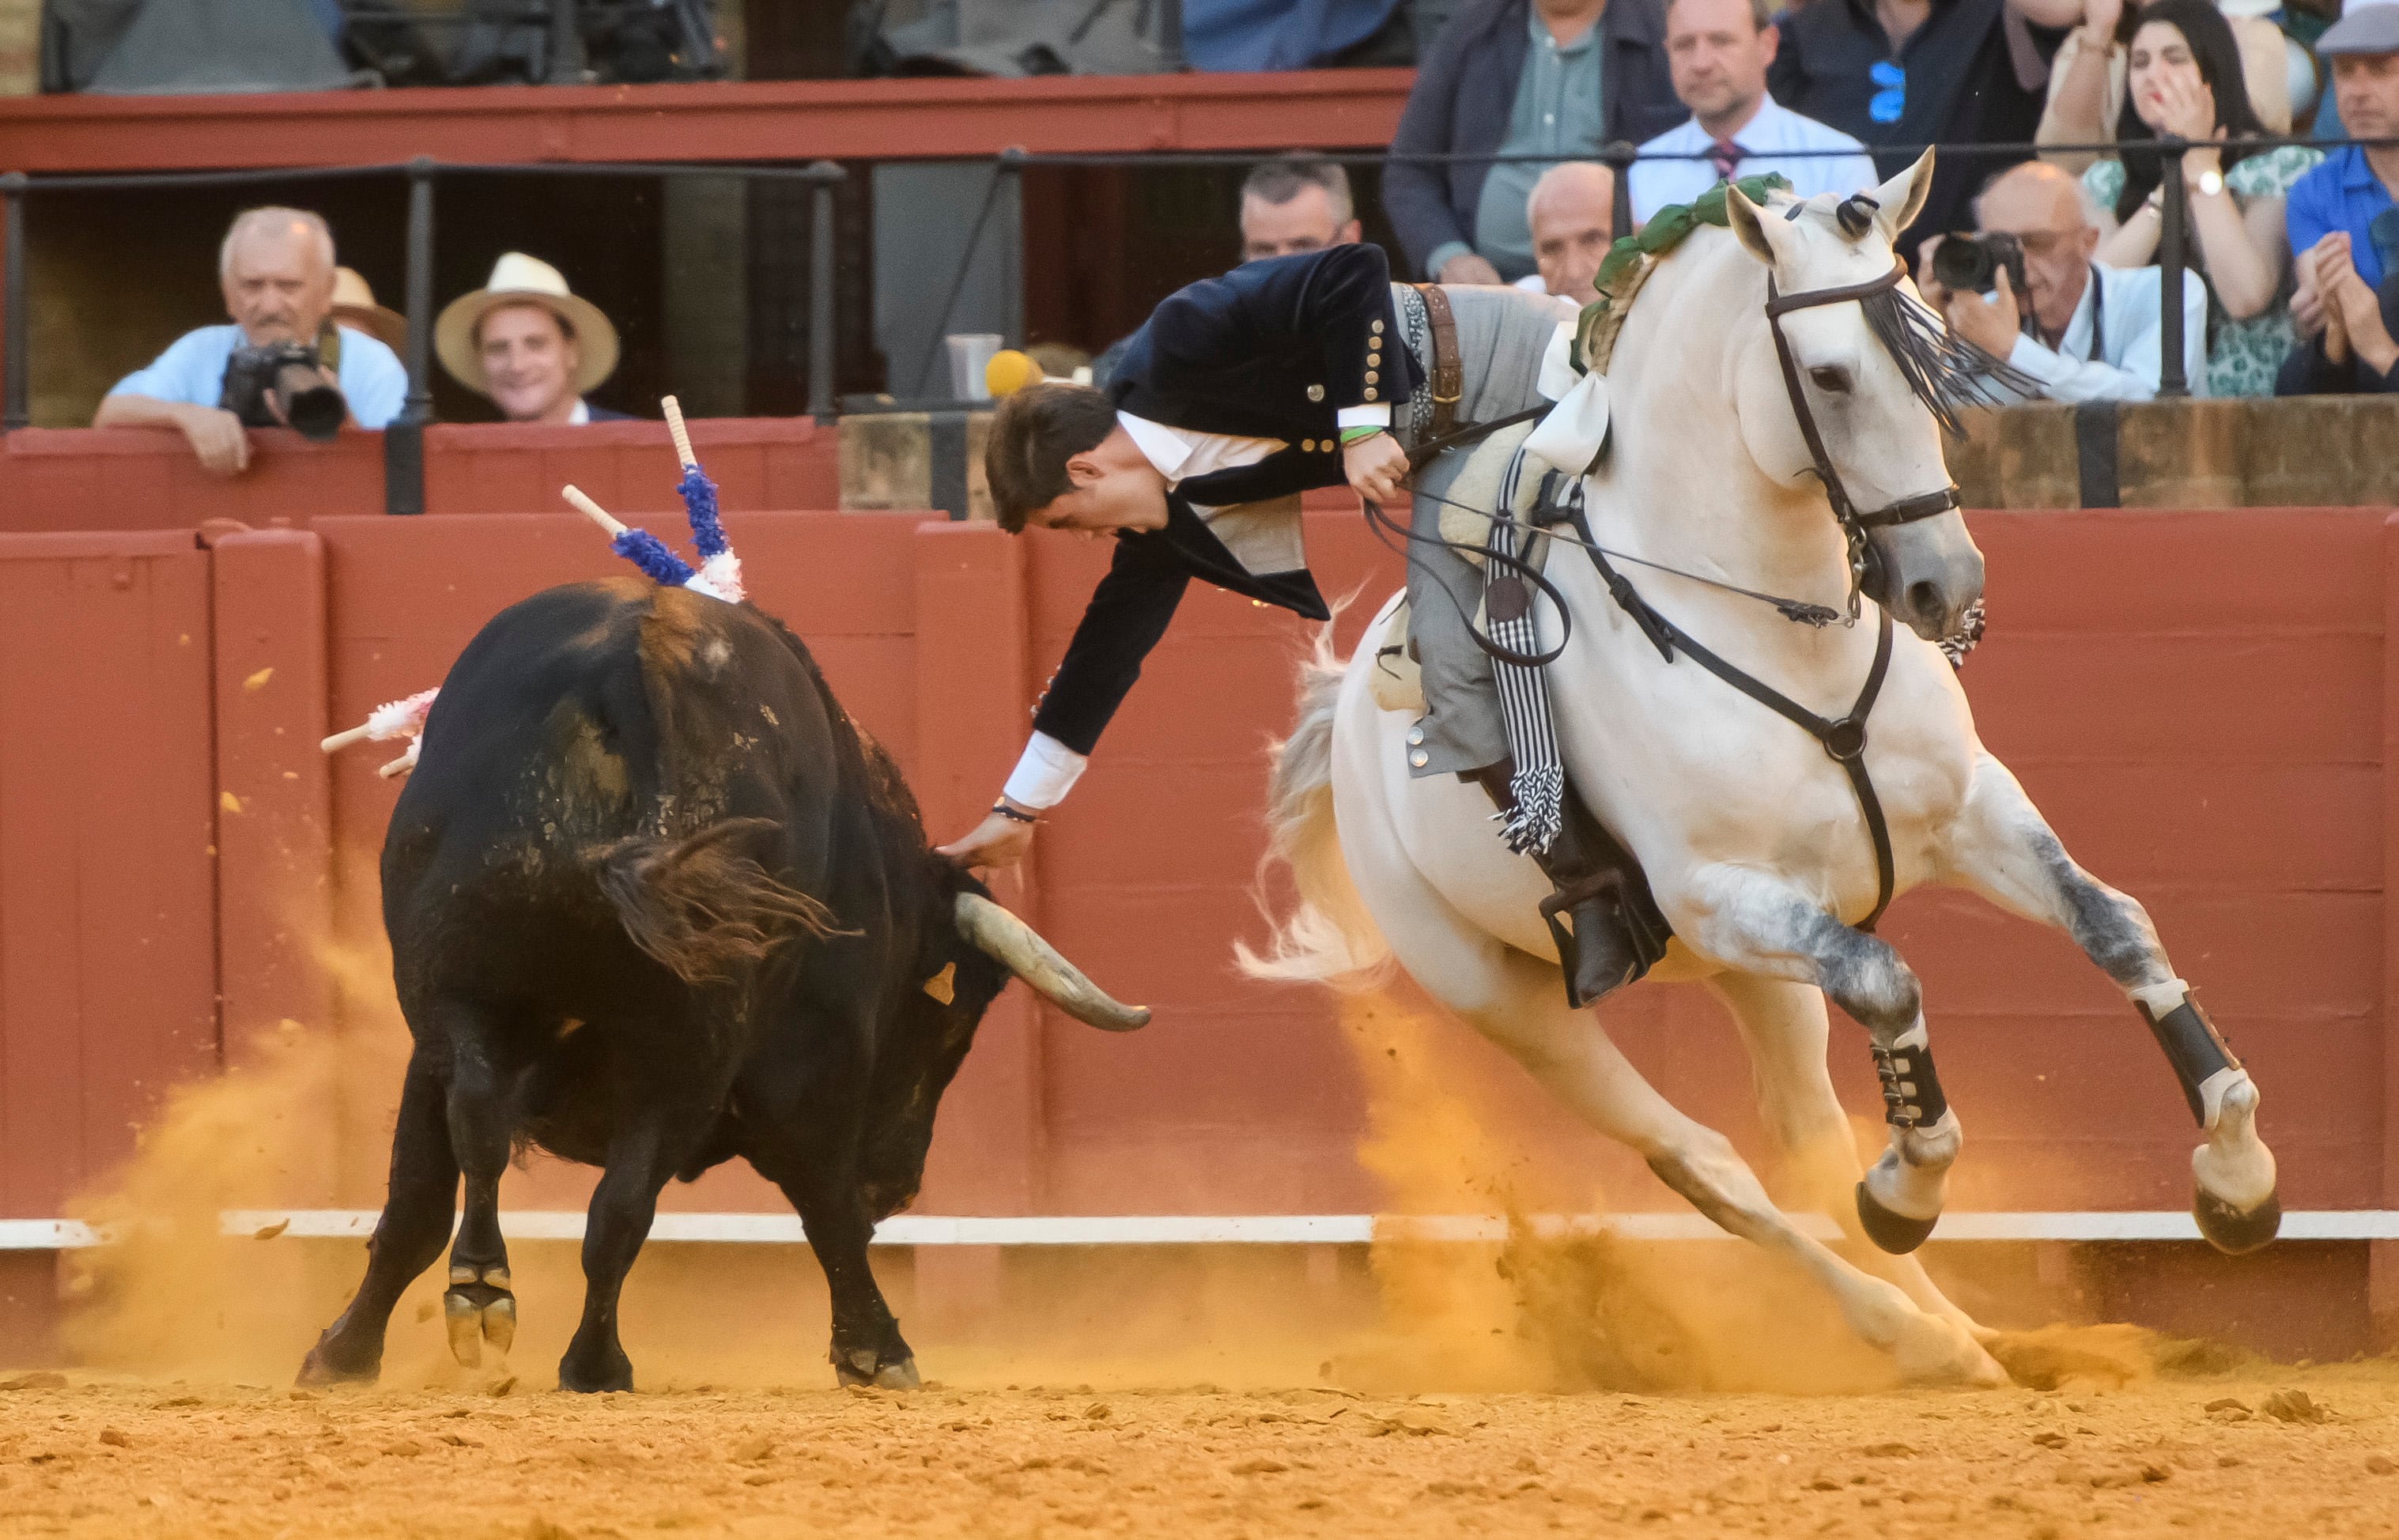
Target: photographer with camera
2024 289
283 362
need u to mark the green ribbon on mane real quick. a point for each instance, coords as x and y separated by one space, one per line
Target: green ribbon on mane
1665 231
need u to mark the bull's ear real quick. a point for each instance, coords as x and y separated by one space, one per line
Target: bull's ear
1903 197
1757 231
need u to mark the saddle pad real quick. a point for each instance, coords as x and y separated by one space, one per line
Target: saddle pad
1397 682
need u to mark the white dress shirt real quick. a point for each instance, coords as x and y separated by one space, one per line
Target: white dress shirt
2125 364
1772 129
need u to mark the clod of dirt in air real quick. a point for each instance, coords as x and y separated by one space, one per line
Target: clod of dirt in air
40 1379
2382 1465
258 680
269 1232
2050 1440
501 1386
1259 1467
115 1438
2295 1406
2229 1409
1893 1451
1097 1411
752 1450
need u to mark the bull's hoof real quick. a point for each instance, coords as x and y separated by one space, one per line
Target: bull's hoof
2231 1231
477 1313
613 1373
1896 1234
323 1366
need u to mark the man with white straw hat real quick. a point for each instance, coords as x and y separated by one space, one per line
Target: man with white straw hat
529 344
355 306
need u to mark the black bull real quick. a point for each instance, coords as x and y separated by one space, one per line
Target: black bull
654 902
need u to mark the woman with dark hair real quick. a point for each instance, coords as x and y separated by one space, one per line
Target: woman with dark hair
2183 78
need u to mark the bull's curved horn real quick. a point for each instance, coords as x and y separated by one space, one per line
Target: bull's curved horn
993 930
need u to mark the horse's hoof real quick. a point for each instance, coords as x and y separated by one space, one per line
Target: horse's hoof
611 1376
1939 1352
318 1369
898 1376
2233 1232
477 1313
1896 1234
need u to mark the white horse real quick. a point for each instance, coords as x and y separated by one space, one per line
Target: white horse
1750 832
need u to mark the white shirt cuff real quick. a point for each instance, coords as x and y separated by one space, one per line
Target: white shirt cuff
1045 772
1378 415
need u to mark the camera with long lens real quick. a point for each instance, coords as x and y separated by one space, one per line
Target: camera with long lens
1970 265
283 384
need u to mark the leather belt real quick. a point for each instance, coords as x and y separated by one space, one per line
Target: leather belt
1449 372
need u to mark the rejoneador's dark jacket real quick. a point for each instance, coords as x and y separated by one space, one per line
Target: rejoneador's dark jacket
1272 350
1466 91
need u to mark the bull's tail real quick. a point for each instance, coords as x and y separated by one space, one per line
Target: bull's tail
701 907
1328 937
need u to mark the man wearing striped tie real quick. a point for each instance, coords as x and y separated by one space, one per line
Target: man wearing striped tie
1717 51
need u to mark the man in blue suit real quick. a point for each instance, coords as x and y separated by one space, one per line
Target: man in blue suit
1239 394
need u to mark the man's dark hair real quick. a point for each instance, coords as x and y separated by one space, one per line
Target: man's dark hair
1034 432
1279 182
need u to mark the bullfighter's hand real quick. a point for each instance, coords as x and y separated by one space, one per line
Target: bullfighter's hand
993 844
1378 470
1993 323
217 437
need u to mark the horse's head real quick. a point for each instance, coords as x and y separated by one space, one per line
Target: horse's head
1855 389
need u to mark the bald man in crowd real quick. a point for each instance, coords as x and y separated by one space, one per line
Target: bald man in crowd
2087 332
1571 213
275 270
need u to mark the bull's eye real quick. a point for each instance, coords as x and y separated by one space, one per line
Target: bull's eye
1831 378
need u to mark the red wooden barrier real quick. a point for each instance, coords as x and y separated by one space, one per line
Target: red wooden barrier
2198 699
141 478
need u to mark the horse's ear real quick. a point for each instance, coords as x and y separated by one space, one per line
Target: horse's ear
1903 197
1756 232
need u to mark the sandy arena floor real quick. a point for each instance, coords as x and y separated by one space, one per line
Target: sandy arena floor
2206 1456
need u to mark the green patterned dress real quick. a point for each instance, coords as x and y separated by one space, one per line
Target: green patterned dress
2241 356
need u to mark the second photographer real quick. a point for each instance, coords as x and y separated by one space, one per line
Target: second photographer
2029 293
279 363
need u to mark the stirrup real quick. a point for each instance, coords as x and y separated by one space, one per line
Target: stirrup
1589 890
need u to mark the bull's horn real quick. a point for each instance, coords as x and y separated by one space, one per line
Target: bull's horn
1002 935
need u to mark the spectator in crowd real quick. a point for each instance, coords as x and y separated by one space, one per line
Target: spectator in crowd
1905 72
1296 204
355 306
529 344
275 270
2351 191
1531 77
1718 51
2352 352
2086 79
1572 216
2184 79
2094 334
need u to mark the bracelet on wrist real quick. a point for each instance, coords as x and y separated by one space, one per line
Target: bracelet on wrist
1359 432
1014 815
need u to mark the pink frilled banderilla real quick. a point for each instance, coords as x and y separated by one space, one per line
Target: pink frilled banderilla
394 719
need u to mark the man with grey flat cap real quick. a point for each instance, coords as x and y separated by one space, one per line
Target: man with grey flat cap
2341 217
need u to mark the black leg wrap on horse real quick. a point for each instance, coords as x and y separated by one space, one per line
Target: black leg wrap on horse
2193 1047
1911 1091
1896 1234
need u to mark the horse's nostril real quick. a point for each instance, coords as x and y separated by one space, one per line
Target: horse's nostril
1924 600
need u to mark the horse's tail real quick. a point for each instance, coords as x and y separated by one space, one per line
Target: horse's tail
1328 937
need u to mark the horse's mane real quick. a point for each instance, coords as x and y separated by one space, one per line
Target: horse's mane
1943 370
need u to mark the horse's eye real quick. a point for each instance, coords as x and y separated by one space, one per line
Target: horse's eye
1831 380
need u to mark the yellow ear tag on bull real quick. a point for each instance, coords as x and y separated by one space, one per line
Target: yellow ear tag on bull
943 986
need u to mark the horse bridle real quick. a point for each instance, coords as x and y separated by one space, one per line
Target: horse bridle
1854 524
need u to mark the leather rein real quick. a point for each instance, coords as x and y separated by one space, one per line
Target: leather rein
1842 739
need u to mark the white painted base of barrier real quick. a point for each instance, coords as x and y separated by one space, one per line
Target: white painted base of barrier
59 1235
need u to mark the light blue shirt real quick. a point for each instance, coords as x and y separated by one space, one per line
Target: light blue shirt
1772 131
1557 111
192 370
2122 363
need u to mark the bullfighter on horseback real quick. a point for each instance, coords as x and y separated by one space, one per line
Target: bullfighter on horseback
1238 395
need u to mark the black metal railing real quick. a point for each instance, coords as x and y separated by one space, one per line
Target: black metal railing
404 453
